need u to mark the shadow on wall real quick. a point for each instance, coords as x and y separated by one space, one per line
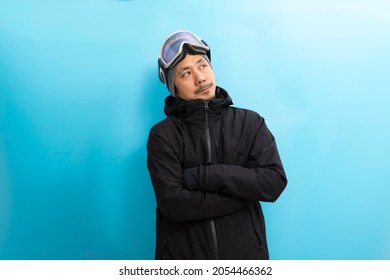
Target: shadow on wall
5 196
90 201
141 210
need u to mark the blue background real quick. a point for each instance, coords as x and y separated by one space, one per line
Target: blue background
79 92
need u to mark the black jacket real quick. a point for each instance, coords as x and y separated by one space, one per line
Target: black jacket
210 164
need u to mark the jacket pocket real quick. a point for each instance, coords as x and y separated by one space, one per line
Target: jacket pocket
162 232
255 226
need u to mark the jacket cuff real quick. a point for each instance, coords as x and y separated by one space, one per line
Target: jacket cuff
211 177
191 178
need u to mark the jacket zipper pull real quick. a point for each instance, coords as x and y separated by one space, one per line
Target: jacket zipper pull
206 105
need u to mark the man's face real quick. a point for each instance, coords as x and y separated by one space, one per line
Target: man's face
194 78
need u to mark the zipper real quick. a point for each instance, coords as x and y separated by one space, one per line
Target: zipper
215 239
208 138
208 161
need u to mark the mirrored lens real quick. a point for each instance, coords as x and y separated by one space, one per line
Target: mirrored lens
174 44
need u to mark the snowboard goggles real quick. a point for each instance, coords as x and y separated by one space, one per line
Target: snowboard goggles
172 50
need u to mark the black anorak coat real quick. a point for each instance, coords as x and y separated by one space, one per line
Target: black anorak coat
210 164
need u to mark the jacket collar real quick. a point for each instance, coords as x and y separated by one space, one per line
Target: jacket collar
180 107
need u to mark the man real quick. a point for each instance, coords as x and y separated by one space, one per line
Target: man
210 163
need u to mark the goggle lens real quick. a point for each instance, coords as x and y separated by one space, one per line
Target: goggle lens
173 46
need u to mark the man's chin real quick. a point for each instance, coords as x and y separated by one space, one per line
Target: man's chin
207 94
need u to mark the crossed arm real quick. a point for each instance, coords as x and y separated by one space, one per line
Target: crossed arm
209 191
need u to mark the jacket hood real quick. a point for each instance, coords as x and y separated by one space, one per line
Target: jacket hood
176 105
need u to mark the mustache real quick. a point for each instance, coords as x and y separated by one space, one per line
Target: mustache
199 90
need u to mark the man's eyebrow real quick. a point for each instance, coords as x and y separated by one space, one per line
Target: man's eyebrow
200 60
183 69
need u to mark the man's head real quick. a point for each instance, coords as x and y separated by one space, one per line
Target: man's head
184 66
194 78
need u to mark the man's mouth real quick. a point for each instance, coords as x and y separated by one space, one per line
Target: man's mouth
203 88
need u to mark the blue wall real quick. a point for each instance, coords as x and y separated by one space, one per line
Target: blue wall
79 92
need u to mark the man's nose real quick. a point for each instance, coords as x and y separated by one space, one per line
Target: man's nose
199 78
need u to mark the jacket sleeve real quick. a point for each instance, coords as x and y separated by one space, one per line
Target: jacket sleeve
177 202
262 179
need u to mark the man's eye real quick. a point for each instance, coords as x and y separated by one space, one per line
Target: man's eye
186 74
